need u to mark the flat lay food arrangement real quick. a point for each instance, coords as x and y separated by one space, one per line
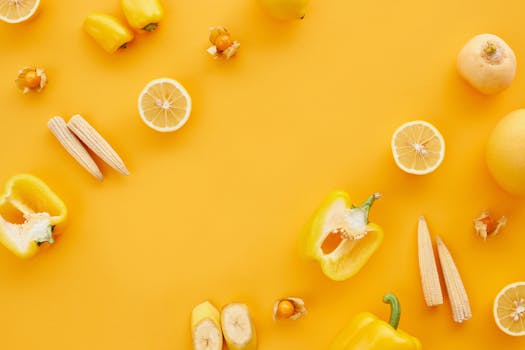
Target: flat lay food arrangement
262 174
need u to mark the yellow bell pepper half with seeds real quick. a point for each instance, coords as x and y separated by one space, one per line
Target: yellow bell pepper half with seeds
109 32
340 237
367 332
143 14
29 212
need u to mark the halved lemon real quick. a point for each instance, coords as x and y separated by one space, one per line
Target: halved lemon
164 105
17 11
509 309
418 147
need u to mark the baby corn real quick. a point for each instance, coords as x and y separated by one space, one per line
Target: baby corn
94 141
457 294
427 266
58 127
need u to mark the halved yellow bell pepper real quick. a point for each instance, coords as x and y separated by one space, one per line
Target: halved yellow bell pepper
340 237
143 14
108 31
367 332
29 212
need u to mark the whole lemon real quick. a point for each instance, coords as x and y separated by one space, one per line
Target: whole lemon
506 153
285 9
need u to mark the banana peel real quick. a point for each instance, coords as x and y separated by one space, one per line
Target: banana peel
29 212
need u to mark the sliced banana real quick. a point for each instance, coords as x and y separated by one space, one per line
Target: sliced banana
205 327
238 328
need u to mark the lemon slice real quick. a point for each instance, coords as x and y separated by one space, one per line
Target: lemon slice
509 309
17 11
164 105
418 147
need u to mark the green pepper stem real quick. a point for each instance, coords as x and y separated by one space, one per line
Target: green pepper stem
150 27
368 204
395 309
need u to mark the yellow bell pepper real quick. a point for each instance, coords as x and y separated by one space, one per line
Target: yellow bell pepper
340 237
29 212
108 31
143 14
367 332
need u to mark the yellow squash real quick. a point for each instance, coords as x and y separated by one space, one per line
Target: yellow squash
29 212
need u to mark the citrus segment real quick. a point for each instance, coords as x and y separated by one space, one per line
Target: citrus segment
418 147
164 105
17 11
509 309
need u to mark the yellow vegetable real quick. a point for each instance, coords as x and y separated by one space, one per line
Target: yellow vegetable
487 63
143 14
107 31
285 9
29 212
367 332
340 237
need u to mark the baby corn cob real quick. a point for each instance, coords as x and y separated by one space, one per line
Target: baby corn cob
457 294
58 127
427 266
92 139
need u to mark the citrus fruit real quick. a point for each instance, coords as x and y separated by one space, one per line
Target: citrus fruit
418 147
164 105
17 11
509 309
505 156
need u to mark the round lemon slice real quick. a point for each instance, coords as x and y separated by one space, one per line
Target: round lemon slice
164 105
509 309
17 11
418 147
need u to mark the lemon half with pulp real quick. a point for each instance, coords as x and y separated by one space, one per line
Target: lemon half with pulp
164 105
509 309
17 11
418 147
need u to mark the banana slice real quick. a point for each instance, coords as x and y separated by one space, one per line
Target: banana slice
205 327
238 328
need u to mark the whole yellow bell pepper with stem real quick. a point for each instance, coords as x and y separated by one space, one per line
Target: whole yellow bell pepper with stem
29 212
109 32
367 332
340 237
143 14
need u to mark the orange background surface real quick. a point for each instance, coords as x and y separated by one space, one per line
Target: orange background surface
214 210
